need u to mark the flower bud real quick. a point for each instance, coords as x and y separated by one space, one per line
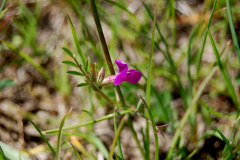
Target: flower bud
109 80
101 76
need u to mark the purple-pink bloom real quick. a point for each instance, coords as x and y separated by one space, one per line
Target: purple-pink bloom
131 75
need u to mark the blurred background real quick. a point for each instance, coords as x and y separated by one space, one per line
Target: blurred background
33 80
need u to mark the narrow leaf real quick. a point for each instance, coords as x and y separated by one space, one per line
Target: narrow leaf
199 55
226 141
154 129
82 84
60 134
224 72
2 6
233 32
76 152
2 155
6 82
68 52
75 73
76 41
70 63
12 153
148 89
118 140
43 137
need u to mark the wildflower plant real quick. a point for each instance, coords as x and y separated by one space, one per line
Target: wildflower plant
121 78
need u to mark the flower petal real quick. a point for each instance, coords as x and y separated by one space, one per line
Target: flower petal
121 65
133 76
120 77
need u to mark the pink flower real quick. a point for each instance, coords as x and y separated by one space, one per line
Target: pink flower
131 75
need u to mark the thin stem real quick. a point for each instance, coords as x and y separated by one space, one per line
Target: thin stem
123 121
154 129
89 122
2 6
107 98
148 89
118 140
105 49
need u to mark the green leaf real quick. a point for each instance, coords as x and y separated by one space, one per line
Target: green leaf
76 152
60 134
43 137
68 52
6 82
224 71
11 153
76 41
82 84
70 63
75 73
226 141
2 6
233 32
2 155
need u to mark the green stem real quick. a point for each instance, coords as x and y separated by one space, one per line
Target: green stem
107 98
233 32
118 140
89 122
199 55
3 4
135 136
105 49
154 129
123 121
173 15
148 89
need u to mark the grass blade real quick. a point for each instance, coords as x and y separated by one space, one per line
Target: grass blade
189 59
126 10
2 155
2 6
12 153
76 41
218 114
118 140
148 89
123 121
60 134
199 55
76 152
169 58
29 59
226 141
188 112
134 134
75 73
6 82
233 32
78 146
41 134
224 72
154 129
